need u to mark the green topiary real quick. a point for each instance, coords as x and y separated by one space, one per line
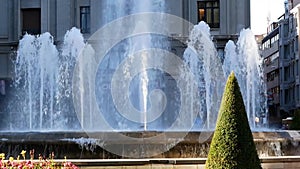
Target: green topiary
232 146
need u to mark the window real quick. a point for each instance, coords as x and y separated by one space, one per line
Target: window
296 44
286 96
274 40
277 37
286 52
286 73
297 92
272 75
274 57
297 68
292 50
209 11
291 20
285 30
292 94
85 22
31 21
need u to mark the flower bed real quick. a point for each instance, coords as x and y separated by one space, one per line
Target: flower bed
41 163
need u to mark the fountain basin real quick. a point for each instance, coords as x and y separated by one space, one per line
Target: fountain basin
80 145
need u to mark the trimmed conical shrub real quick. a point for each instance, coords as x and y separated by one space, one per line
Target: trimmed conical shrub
232 146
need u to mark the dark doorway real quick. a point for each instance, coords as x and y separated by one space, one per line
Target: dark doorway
31 21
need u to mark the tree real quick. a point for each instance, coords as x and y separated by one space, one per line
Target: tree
232 146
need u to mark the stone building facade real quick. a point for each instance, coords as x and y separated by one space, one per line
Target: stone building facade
281 65
225 17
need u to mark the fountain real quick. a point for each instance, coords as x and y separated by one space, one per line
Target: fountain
245 61
42 94
36 73
45 89
42 107
203 60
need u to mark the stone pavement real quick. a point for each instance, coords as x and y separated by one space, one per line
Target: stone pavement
293 165
288 162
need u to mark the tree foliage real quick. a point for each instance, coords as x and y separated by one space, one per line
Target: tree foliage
232 146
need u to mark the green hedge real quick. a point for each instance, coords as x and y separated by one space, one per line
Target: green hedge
232 146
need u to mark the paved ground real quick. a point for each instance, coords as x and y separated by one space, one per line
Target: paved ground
200 166
291 165
285 162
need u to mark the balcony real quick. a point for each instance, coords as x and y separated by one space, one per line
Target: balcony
269 51
273 98
271 66
273 83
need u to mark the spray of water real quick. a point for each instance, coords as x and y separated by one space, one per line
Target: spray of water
246 62
203 60
36 75
43 82
43 75
139 89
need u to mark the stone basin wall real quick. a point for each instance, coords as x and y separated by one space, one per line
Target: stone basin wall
79 145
